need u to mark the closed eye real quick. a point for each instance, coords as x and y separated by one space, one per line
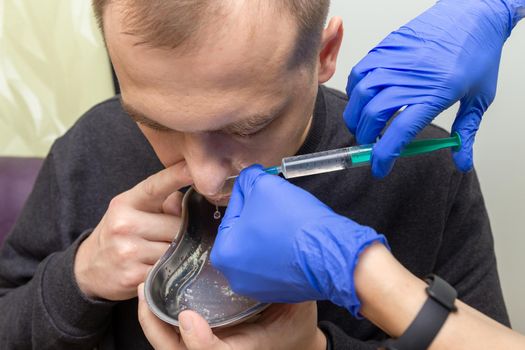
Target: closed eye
250 128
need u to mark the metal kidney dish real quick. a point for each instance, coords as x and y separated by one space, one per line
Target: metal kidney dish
185 279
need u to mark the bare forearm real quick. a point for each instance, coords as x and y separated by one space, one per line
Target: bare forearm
391 298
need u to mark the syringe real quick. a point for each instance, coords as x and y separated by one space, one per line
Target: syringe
345 158
351 157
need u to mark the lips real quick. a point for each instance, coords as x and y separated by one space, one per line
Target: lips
221 201
222 197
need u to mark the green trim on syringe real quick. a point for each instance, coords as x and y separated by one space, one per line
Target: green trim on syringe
364 154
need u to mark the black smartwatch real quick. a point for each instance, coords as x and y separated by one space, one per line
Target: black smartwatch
422 331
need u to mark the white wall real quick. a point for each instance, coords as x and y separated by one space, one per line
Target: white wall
499 152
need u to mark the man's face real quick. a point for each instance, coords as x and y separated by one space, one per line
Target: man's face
219 108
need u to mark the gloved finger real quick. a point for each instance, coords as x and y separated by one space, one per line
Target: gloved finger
249 176
412 90
400 132
234 209
241 188
378 112
374 59
233 212
466 126
197 334
467 122
359 97
356 75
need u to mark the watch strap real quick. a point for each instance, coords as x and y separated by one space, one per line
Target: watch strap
430 319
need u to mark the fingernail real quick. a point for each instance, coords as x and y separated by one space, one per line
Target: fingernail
186 322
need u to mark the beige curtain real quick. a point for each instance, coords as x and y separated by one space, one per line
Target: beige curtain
53 68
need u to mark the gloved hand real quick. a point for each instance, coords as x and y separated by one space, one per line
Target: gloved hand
278 243
450 52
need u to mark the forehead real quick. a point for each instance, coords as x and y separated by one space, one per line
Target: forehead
239 58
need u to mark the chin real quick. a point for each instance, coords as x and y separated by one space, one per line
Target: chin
221 201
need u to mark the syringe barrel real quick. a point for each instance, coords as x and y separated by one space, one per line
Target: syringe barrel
317 163
351 157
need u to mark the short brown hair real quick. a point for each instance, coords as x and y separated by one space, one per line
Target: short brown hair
159 27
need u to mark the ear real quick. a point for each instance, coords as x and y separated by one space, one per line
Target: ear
330 44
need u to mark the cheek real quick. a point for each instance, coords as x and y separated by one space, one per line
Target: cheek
167 145
289 133
282 140
283 137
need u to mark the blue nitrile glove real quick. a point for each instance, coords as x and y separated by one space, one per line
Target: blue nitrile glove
450 52
278 243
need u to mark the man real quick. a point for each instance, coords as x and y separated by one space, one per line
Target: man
214 87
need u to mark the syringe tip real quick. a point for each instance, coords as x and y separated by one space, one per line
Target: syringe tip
275 170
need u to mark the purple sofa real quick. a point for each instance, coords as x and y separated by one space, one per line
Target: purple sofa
17 176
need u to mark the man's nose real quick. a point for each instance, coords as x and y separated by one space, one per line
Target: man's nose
208 162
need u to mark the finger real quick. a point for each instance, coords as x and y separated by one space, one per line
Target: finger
173 204
160 334
241 189
235 205
414 89
400 132
197 334
360 96
355 77
151 252
466 126
379 111
373 60
150 194
150 227
248 177
467 123
130 222
233 212
130 274
403 89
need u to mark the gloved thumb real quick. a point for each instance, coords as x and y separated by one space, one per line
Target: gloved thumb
241 189
197 334
233 212
234 209
466 125
469 116
399 134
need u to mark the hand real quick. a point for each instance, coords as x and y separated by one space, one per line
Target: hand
136 230
278 243
450 52
279 327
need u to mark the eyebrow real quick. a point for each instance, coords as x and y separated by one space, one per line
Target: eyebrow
141 118
249 125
